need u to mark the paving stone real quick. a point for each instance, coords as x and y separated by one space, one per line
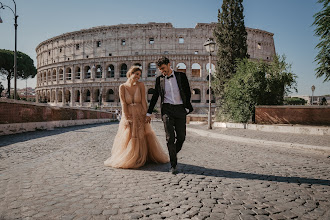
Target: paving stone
59 174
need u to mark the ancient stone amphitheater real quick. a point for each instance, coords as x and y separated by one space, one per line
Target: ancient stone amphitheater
85 68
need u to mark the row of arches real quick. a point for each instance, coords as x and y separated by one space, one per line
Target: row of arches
90 95
96 71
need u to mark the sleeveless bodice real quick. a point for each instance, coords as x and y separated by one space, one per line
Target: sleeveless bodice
136 98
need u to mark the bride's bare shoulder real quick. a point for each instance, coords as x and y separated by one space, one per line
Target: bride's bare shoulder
141 84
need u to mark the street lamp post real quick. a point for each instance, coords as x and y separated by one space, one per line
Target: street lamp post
2 6
210 48
313 89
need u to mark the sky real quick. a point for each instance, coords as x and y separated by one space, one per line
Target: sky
290 21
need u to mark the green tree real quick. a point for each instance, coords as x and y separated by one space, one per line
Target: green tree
257 83
230 35
294 101
324 101
25 66
322 23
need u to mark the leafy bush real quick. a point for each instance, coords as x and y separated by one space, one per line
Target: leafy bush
256 83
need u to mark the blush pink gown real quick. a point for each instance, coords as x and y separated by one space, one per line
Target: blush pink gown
135 141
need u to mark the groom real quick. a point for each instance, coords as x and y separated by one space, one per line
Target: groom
174 91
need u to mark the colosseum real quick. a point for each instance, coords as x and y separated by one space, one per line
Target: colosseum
85 68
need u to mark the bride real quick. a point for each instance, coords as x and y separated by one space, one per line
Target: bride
135 141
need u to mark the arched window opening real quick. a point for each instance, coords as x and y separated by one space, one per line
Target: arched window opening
78 73
77 96
98 71
48 96
87 72
53 97
60 76
196 70
181 67
68 73
54 75
123 70
110 96
67 96
88 96
152 68
49 77
111 71
59 96
196 96
97 95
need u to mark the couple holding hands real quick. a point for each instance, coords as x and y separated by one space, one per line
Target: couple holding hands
135 142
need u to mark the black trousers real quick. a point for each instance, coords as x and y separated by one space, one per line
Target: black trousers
174 119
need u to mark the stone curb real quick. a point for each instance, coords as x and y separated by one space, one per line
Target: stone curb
15 128
258 141
295 129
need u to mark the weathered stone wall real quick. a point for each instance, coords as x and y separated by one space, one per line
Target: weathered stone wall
304 115
12 111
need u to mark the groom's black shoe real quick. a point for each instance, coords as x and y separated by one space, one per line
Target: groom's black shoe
173 170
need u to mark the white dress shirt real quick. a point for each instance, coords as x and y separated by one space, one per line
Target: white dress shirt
172 92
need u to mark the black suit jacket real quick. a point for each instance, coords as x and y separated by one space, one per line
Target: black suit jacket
184 88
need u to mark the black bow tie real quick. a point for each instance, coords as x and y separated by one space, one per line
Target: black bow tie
169 76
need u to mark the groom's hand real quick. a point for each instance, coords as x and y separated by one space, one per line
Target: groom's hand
148 119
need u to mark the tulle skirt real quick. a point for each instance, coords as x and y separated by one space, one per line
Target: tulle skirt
135 144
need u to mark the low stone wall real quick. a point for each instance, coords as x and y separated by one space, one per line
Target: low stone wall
20 116
303 115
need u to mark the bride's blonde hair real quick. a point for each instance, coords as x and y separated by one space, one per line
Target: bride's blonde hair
132 70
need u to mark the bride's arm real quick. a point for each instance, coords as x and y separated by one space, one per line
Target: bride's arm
123 100
143 100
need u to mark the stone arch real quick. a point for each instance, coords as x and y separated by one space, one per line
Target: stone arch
196 96
87 72
60 74
77 96
77 72
48 96
59 96
123 70
54 75
110 71
181 67
68 73
110 96
49 76
67 96
195 70
96 95
87 95
52 99
152 68
98 71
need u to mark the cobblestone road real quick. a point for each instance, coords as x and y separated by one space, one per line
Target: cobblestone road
59 174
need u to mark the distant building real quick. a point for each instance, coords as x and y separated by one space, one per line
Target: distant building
85 68
316 99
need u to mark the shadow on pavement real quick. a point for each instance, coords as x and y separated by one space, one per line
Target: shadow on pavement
21 137
198 170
